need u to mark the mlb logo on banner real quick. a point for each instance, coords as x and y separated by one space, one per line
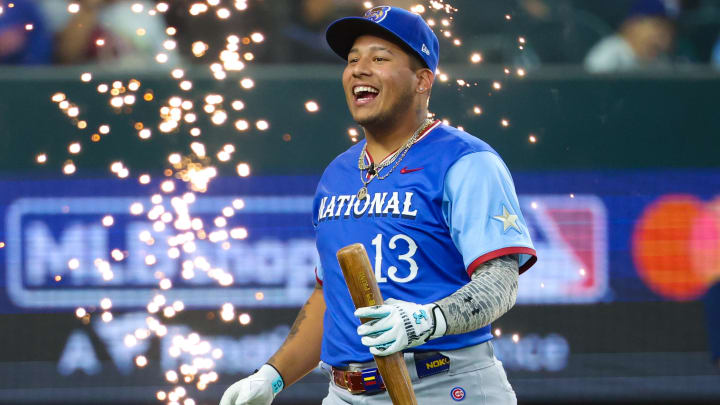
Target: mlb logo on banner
570 236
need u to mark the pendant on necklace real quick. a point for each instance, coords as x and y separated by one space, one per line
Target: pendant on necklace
362 193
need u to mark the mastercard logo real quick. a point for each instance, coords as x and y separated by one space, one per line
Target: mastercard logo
676 246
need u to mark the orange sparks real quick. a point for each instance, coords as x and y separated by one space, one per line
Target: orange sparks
69 168
243 169
312 106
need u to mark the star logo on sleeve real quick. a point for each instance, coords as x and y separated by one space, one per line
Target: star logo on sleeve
508 220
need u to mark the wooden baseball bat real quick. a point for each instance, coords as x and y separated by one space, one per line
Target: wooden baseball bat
360 279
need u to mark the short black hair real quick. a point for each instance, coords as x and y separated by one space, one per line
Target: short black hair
416 63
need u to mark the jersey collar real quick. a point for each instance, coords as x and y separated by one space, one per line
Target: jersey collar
369 159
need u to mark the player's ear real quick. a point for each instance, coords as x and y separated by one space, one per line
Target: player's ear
425 79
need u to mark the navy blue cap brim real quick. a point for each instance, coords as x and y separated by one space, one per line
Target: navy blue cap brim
341 35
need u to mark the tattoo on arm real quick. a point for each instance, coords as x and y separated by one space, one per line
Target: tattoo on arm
490 293
295 326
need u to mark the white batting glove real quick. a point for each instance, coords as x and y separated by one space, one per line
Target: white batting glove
397 325
257 389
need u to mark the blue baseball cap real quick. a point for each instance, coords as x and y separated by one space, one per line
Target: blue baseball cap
650 8
409 29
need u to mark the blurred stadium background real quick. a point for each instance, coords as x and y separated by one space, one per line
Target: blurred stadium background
618 174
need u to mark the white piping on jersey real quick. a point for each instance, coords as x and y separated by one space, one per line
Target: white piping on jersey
427 131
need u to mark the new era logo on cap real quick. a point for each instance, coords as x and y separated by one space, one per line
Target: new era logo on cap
409 29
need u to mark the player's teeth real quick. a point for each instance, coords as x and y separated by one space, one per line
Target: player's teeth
357 90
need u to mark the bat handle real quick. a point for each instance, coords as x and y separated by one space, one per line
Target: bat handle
394 367
364 290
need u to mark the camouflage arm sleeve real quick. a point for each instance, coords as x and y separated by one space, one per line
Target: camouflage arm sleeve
490 293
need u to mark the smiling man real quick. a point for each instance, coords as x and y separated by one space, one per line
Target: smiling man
437 211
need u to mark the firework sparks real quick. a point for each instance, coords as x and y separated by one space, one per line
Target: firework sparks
195 169
262 125
312 106
244 319
69 167
243 169
108 221
247 83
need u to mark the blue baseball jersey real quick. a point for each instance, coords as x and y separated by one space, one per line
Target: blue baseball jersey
448 207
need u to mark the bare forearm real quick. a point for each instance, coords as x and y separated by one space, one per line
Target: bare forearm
300 353
491 293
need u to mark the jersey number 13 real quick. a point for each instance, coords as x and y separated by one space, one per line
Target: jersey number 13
405 257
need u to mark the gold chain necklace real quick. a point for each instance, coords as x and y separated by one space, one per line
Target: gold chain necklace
397 157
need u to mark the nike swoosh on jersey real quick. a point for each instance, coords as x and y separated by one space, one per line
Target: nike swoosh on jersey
405 170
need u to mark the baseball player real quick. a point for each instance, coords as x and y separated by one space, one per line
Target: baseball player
437 212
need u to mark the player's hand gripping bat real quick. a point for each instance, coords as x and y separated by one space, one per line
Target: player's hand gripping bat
360 279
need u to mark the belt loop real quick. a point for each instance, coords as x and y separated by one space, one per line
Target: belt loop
326 368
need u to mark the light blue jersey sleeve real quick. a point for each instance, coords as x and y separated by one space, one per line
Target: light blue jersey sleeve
482 212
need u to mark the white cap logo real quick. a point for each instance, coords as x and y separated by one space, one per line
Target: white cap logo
425 50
